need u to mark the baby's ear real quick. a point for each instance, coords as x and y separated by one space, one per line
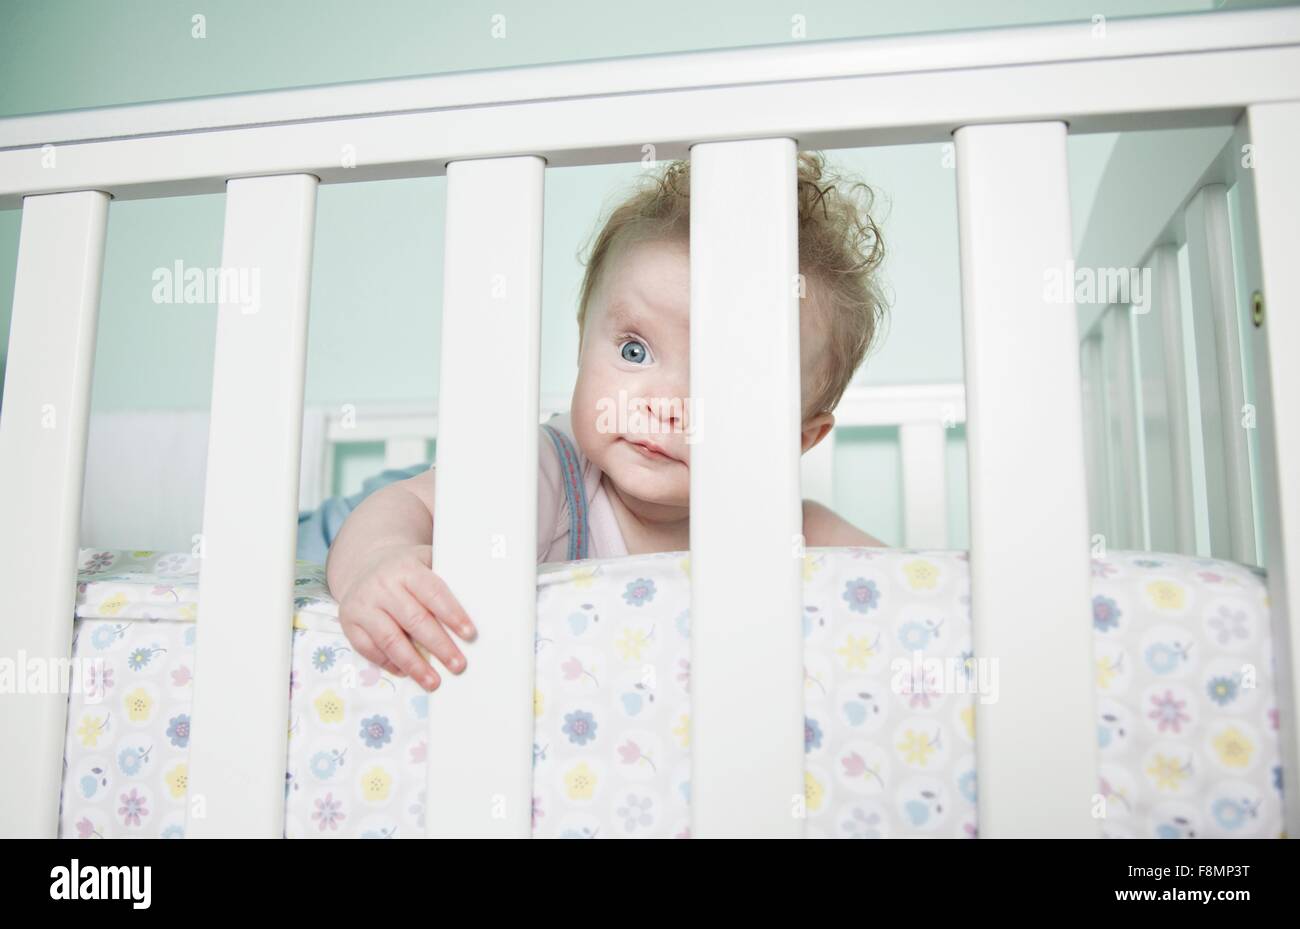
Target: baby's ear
816 428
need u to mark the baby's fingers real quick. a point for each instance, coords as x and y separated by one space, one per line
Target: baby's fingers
389 636
368 650
433 592
427 631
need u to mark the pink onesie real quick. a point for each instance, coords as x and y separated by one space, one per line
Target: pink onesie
587 529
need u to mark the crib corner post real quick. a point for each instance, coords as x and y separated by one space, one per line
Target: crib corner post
1273 186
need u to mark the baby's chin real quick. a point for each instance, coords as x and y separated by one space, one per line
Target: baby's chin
653 484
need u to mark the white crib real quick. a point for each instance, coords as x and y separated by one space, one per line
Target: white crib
1006 98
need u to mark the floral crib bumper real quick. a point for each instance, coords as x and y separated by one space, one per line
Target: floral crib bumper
1186 709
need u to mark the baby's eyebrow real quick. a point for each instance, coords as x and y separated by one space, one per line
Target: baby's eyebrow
623 316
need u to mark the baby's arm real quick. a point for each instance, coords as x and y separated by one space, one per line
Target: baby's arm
824 528
380 570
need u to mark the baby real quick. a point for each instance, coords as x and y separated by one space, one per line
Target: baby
601 492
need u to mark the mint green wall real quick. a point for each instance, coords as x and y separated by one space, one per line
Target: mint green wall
377 280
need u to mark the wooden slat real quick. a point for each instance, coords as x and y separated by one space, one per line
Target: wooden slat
42 465
485 523
1156 425
746 742
240 715
1028 497
1273 187
1220 375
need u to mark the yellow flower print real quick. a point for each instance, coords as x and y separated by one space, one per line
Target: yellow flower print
92 727
683 731
188 611
685 565
138 704
810 567
1233 747
968 721
855 653
582 578
539 702
580 782
922 575
916 748
1166 595
375 784
178 779
1106 672
139 555
814 792
631 644
111 606
1167 772
329 707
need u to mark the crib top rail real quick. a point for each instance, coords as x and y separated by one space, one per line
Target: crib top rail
1147 72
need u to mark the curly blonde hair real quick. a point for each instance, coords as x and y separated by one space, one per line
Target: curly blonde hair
840 250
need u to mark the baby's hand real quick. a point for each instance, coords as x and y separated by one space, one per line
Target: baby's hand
398 594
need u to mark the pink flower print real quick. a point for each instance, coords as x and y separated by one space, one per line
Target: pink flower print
537 810
684 675
573 670
329 812
98 680
181 676
420 753
1102 569
86 829
1168 712
132 808
1210 577
1272 718
631 753
856 766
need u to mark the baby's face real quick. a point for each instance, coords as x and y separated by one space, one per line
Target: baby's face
631 408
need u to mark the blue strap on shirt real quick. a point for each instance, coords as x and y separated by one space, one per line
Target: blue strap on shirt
574 492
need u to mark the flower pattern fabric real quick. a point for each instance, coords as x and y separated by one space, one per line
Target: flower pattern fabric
1187 716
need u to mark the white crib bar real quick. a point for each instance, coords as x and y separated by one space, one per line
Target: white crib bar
1275 135
1030 583
1220 375
485 523
240 713
1166 300
42 467
1125 451
746 517
923 450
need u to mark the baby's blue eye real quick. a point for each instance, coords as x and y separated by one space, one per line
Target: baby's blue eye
633 351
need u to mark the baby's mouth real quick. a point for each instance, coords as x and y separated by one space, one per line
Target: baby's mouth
651 451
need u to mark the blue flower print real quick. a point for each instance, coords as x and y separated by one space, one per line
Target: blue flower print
322 659
1223 689
639 592
812 734
325 765
103 636
914 636
861 595
966 784
1105 614
1229 813
173 832
1163 657
579 726
131 760
376 731
178 730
